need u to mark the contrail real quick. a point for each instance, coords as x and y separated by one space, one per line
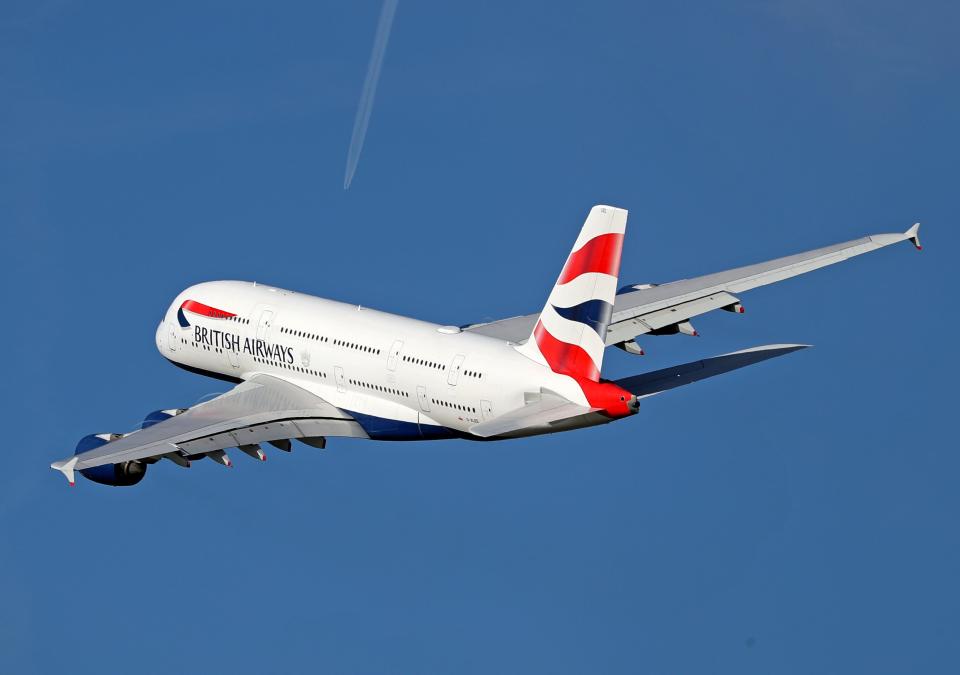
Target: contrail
362 120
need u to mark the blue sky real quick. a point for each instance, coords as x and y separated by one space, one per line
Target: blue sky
795 517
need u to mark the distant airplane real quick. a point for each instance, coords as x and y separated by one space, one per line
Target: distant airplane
307 368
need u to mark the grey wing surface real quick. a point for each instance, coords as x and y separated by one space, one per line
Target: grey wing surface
262 409
644 309
548 409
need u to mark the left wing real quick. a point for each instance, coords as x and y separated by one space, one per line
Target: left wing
668 307
262 409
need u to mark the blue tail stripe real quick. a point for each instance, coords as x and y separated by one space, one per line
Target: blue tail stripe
594 313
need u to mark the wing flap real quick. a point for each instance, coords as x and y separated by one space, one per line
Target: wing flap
273 431
644 323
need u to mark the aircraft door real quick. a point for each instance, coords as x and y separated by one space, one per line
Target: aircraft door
394 357
424 401
486 408
341 380
172 337
455 367
233 358
266 323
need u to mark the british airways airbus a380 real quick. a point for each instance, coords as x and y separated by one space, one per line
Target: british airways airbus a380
306 368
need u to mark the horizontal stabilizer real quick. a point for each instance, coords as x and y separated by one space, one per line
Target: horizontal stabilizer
658 381
548 409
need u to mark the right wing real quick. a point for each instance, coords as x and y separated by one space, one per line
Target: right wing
646 309
261 409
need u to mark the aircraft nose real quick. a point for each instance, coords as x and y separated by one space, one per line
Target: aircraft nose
166 332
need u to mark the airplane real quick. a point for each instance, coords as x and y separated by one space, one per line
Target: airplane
308 368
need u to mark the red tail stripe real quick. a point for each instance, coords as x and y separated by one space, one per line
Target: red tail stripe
613 400
563 357
205 310
600 254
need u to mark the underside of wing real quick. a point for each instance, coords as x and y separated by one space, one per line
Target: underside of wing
262 409
658 381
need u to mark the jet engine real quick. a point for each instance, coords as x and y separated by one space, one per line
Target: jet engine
159 416
117 475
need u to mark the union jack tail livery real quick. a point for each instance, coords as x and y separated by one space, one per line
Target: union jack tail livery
570 332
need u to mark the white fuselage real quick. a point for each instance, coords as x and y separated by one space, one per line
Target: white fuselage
408 376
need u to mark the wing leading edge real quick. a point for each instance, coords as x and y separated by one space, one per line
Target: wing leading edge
262 409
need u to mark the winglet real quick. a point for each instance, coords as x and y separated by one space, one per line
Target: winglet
913 234
66 468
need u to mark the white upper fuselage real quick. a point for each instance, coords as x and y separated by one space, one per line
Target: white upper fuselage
366 362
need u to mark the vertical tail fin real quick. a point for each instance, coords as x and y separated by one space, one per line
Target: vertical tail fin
570 333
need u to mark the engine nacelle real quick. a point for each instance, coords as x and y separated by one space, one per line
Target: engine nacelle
117 475
159 416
